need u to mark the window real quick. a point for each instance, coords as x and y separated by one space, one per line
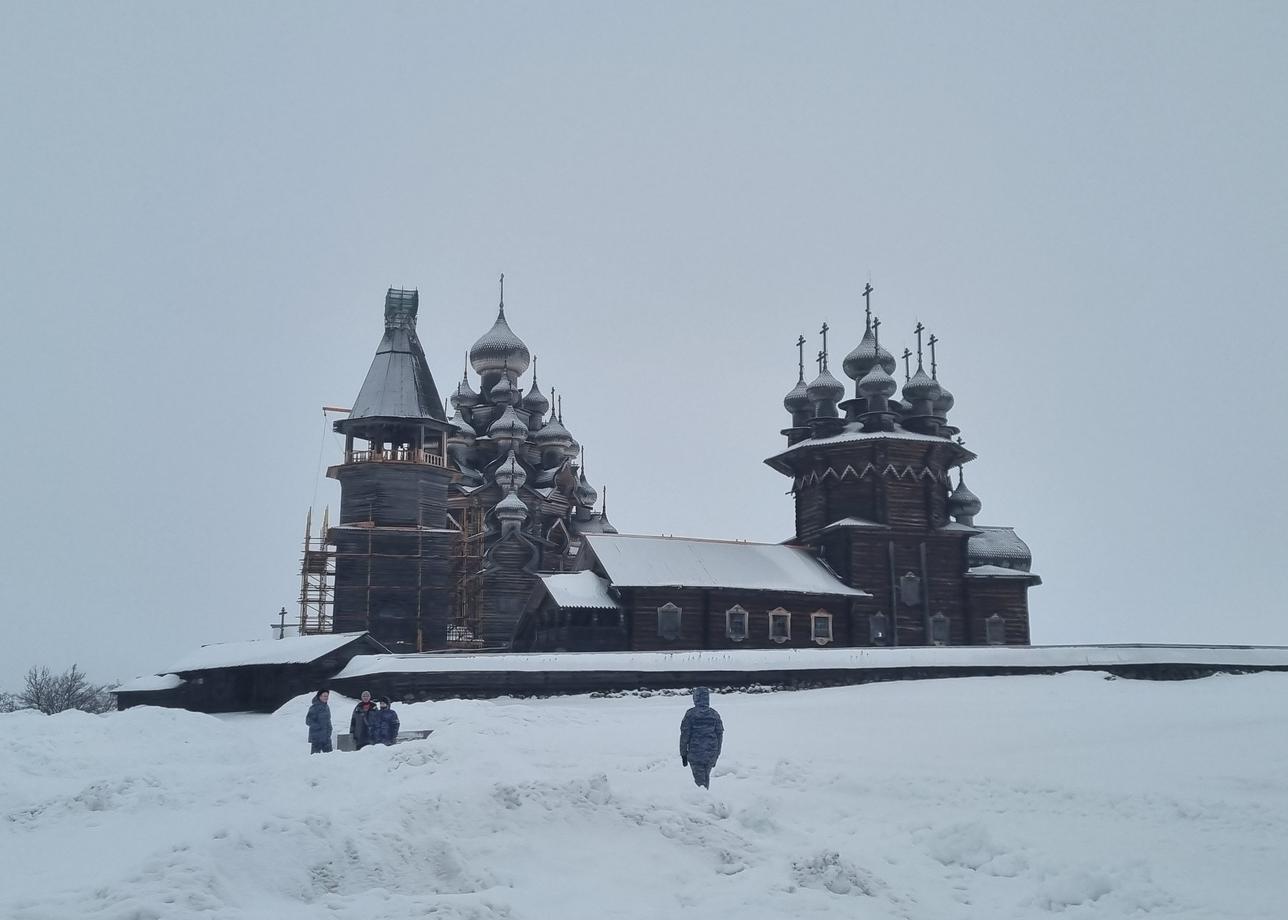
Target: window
877 629
820 627
939 629
780 625
995 630
668 621
736 623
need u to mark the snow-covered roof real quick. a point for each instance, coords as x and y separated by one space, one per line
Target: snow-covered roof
292 650
826 659
849 522
585 590
636 561
997 571
997 544
856 434
151 682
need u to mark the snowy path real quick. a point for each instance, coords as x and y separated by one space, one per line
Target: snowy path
1013 797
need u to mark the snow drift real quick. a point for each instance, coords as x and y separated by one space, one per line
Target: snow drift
1013 797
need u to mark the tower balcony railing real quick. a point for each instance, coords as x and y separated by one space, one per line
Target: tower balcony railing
400 455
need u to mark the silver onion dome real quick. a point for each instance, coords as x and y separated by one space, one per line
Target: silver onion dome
945 402
554 434
877 382
502 392
535 402
585 493
510 475
797 400
464 396
866 355
921 386
509 425
461 428
825 387
499 350
963 503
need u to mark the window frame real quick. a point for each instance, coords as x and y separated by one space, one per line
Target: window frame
737 610
814 619
940 623
779 614
875 637
664 615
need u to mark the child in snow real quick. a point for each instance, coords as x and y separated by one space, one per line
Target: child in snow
701 736
318 720
384 723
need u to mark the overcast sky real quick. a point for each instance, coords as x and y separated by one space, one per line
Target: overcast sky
201 206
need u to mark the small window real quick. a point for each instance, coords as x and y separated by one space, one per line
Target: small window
939 629
820 627
668 621
780 625
736 623
995 630
877 628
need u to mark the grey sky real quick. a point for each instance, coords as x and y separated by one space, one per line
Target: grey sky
203 205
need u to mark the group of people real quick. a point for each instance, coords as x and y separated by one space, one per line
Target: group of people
701 730
370 723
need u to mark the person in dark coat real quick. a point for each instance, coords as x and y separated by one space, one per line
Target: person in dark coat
701 737
384 723
362 721
318 720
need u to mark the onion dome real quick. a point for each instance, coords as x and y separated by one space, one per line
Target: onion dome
945 402
460 427
464 396
585 493
797 400
512 512
921 387
877 382
508 426
963 503
510 475
554 434
503 391
499 349
534 401
825 388
866 355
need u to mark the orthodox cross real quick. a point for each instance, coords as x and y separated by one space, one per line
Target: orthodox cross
534 370
280 625
824 352
502 290
907 353
876 338
933 340
800 348
818 359
919 329
867 303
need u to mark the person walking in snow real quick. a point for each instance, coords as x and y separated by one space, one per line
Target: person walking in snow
701 736
318 720
362 721
384 723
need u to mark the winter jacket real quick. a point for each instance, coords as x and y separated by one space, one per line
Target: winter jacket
360 725
701 732
318 720
384 726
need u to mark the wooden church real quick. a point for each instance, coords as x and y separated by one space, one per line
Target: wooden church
481 531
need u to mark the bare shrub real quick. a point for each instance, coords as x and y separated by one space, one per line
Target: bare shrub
49 693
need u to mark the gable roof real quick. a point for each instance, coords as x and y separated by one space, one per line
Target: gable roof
635 561
584 590
293 650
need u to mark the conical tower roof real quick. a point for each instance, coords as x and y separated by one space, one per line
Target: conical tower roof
398 384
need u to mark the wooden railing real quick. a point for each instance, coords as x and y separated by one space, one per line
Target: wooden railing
402 455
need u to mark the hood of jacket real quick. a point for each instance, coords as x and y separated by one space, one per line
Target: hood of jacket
701 696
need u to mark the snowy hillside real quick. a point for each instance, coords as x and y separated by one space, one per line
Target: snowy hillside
1015 797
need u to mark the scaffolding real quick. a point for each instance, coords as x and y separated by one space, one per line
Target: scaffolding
466 630
317 578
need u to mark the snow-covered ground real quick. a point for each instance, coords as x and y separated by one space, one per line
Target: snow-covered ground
1008 797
